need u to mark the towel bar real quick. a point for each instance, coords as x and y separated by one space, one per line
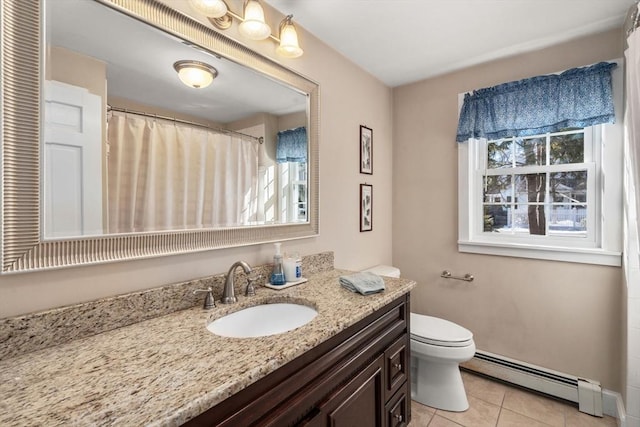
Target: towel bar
447 275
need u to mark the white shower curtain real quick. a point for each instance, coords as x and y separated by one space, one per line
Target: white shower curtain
632 111
163 175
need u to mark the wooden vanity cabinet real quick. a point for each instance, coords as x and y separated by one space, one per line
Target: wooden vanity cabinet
360 378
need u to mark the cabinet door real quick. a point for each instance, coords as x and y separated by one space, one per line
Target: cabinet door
316 419
359 403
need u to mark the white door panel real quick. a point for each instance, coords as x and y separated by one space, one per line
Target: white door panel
72 162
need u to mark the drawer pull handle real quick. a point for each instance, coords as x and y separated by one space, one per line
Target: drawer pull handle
398 366
398 417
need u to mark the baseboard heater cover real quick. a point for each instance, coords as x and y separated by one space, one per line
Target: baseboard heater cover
585 392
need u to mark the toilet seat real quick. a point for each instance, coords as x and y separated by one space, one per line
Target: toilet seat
439 332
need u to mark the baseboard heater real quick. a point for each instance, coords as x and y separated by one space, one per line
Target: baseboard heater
587 393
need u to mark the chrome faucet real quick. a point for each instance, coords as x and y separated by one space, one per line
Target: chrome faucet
228 295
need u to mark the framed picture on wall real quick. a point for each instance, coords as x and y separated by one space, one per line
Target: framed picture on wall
366 207
366 150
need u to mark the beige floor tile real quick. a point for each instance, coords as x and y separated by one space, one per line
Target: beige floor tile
420 414
512 419
483 388
439 421
534 406
575 418
520 408
479 414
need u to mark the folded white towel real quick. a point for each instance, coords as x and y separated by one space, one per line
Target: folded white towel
365 283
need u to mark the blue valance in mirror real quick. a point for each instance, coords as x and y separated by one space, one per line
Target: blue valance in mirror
292 145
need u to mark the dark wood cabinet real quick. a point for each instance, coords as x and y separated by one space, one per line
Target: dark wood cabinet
360 377
359 402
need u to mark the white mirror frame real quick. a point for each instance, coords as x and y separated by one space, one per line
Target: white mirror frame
21 58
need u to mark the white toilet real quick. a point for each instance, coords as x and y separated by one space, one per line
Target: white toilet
437 348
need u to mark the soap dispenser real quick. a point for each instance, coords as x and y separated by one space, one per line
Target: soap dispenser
277 276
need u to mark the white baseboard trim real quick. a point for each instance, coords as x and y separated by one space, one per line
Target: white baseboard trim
596 402
613 405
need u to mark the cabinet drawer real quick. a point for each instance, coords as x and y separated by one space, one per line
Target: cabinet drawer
396 358
398 409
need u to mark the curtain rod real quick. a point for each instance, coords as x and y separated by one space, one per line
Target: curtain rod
173 119
632 21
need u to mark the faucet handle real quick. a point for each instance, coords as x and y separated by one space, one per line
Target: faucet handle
251 290
209 303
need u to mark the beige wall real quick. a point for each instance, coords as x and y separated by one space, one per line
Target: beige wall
75 69
558 315
349 97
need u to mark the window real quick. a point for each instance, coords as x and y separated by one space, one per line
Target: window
553 196
542 185
293 179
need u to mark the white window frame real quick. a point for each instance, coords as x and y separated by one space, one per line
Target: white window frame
289 180
604 240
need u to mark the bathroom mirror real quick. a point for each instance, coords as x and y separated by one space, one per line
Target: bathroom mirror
291 101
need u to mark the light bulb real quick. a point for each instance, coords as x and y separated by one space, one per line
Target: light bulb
289 46
210 8
253 26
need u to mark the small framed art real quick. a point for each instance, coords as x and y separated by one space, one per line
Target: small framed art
366 207
366 150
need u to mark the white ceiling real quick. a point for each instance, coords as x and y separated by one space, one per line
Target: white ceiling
402 41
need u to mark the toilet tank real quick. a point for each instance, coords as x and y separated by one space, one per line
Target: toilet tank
385 270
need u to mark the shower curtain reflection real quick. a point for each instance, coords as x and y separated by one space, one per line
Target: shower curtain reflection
164 175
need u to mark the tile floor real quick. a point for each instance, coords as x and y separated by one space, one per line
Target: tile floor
498 405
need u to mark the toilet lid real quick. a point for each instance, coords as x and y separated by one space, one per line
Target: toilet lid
436 331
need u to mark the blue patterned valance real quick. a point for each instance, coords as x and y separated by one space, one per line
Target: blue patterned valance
292 146
579 97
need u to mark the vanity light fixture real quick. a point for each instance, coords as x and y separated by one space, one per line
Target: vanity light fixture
289 46
195 74
212 8
253 26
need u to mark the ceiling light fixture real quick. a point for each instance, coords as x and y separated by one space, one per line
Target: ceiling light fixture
195 74
253 26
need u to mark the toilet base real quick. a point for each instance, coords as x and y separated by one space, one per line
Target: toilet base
438 385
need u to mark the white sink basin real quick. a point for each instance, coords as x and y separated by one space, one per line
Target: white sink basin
262 320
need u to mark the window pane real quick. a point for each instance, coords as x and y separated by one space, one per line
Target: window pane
568 219
497 189
499 154
531 151
521 219
531 187
568 187
530 219
496 218
302 171
567 148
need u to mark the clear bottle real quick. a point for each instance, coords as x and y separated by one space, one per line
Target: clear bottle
289 264
277 275
298 266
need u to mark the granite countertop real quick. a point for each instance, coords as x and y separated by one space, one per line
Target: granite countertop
167 370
